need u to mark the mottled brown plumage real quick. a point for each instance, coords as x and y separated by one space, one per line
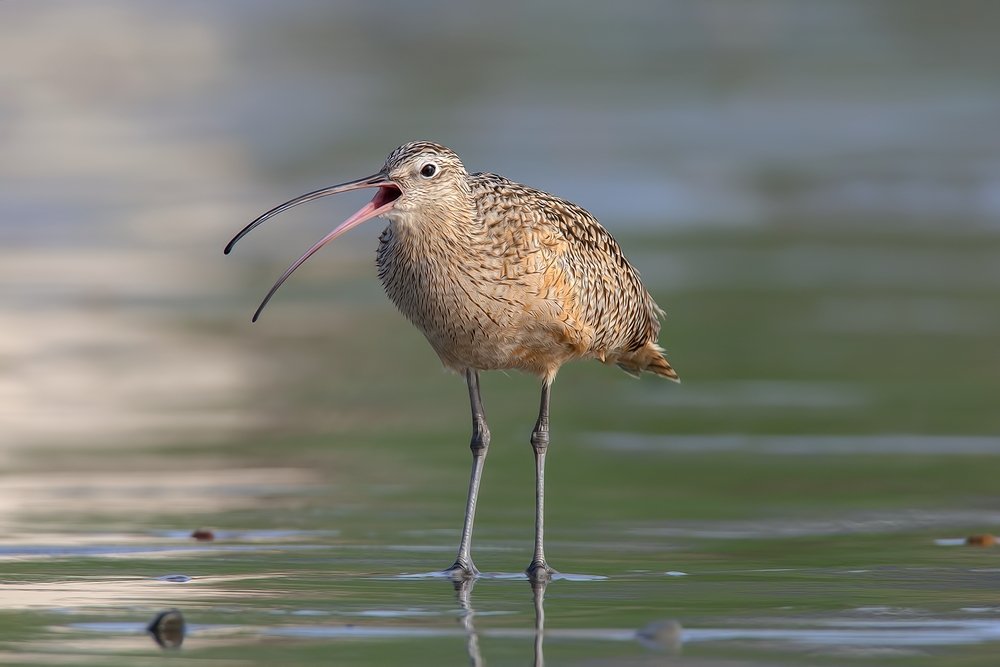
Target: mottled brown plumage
499 276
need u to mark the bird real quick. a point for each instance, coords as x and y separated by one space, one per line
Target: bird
497 276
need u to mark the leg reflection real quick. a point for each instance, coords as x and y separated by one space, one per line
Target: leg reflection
538 586
463 590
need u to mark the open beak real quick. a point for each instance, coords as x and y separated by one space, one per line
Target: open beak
384 199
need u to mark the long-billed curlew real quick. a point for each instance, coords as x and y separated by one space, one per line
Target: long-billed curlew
498 276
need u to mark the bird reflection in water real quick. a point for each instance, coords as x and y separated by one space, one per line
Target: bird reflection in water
538 591
463 590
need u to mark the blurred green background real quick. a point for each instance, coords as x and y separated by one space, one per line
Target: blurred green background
811 190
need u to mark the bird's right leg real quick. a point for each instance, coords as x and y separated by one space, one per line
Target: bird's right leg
480 443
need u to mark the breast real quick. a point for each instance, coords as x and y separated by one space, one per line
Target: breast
475 309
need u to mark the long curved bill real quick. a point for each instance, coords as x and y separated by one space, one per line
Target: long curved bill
383 201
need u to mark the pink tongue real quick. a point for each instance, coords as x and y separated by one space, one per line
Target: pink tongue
385 195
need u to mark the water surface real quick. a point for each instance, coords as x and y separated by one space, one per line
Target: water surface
810 190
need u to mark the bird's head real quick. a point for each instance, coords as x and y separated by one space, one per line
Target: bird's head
431 179
418 177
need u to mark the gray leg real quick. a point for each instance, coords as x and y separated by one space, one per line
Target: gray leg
463 566
539 569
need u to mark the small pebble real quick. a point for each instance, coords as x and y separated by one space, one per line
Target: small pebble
168 629
985 540
203 535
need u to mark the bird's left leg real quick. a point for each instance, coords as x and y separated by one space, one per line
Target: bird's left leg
539 569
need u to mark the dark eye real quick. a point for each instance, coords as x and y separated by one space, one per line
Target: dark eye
428 170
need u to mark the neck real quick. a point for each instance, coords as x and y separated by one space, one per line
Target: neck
443 220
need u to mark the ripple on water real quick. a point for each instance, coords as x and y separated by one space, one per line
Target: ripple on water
518 576
800 444
840 633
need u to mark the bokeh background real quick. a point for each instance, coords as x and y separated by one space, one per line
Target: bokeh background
843 158
811 190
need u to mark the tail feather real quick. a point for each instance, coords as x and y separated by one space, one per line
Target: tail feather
649 359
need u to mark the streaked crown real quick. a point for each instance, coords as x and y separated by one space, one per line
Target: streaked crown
418 150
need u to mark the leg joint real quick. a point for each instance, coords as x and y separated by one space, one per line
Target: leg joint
540 440
480 438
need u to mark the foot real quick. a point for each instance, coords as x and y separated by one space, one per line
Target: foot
539 570
462 570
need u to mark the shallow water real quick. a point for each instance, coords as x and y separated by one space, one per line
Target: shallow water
364 587
810 190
